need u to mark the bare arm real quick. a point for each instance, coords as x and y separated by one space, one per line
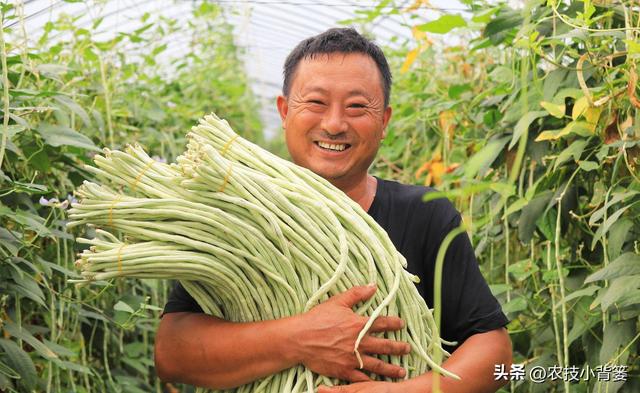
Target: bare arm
205 351
473 361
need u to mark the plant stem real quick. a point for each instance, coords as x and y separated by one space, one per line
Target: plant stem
565 324
506 254
552 293
5 91
107 99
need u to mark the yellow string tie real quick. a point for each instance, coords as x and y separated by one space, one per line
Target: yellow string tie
226 179
228 145
146 168
113 204
120 258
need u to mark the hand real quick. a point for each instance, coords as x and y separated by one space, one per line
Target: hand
329 332
365 387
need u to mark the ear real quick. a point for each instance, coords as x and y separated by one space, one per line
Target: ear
386 116
283 108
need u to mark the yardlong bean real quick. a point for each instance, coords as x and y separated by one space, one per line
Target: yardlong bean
251 237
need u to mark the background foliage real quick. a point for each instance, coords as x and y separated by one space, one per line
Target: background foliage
65 97
531 125
529 121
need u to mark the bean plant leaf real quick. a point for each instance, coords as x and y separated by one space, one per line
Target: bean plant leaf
575 127
625 265
617 335
615 198
555 110
498 29
58 135
523 125
618 289
588 166
23 334
604 227
481 161
8 372
74 108
27 219
530 214
588 291
444 24
21 362
574 150
618 234
122 306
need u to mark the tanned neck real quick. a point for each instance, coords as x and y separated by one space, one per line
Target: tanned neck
363 190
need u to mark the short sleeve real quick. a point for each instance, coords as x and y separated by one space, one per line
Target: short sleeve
469 307
180 301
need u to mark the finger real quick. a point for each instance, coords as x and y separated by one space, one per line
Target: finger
385 324
331 389
383 369
357 376
383 346
355 295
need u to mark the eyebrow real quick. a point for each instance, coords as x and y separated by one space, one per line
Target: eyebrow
356 92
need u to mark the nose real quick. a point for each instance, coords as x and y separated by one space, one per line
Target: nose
333 121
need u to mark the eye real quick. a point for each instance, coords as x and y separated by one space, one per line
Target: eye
357 105
316 102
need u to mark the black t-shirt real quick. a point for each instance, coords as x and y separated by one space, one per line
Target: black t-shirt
417 229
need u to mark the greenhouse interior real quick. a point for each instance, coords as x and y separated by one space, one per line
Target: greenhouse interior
369 196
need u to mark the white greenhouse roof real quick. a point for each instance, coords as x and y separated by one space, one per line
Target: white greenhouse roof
266 29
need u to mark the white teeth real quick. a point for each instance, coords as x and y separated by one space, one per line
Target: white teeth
330 146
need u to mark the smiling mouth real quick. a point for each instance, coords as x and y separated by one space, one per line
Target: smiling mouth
333 146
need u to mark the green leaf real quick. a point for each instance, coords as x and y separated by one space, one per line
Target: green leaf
625 265
523 125
484 16
588 166
574 150
444 24
575 127
56 135
455 91
26 219
74 108
23 334
617 289
523 269
555 110
604 227
588 291
497 289
8 371
616 335
514 207
633 47
481 161
501 26
122 306
21 362
615 198
618 234
530 214
515 305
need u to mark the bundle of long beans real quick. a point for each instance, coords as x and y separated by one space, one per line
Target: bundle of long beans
251 237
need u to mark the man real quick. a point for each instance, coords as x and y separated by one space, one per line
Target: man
335 110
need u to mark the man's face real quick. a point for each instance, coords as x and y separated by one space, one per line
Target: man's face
334 117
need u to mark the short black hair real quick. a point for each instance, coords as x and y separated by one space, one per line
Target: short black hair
337 40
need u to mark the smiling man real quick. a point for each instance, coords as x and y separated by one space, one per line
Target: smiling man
335 110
